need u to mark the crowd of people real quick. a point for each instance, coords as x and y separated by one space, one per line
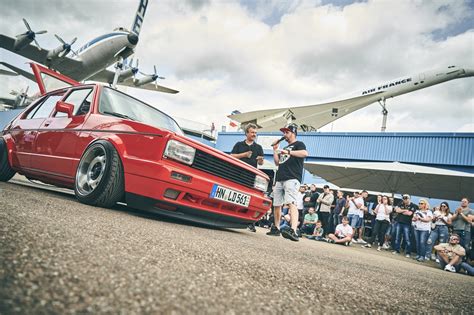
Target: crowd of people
421 232
435 233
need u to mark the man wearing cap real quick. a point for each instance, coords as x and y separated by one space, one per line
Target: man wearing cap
404 212
249 152
288 178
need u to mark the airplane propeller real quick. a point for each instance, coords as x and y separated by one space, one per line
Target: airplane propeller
154 76
31 34
66 46
21 97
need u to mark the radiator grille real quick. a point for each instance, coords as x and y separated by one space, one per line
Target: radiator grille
213 165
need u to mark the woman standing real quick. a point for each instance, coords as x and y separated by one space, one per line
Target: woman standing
441 220
422 219
382 222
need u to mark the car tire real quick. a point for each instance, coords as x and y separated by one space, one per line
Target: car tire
6 171
99 176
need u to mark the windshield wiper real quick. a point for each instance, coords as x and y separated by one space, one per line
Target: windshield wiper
119 115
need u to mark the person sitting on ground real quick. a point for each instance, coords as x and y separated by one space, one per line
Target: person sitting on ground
468 267
382 222
450 254
309 222
343 233
318 233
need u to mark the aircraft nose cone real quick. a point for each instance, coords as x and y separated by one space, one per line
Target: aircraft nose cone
132 38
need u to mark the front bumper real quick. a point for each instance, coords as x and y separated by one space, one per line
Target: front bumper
193 202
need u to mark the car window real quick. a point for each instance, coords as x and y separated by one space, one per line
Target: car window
115 103
81 99
45 109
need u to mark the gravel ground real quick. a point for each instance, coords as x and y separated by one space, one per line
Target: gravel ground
58 256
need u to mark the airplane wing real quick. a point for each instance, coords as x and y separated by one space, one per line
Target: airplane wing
39 55
22 72
8 73
107 76
309 118
7 101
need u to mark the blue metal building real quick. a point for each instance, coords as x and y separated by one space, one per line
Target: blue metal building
446 152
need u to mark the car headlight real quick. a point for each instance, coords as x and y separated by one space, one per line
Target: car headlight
261 183
180 152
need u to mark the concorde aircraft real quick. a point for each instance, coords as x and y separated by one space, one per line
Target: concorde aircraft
313 117
92 59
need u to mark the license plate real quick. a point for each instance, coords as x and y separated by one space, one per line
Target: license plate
230 195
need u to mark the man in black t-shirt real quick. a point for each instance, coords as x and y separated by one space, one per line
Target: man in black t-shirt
404 212
249 152
288 180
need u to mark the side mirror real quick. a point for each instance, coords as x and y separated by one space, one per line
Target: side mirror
63 107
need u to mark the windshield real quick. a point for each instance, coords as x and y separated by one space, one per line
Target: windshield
115 103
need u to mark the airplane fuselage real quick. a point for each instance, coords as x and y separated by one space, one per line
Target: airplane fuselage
100 53
419 81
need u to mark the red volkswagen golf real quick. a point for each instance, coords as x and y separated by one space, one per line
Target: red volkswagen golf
111 147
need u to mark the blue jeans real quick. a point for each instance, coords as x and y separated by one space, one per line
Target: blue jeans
421 237
405 229
468 268
440 233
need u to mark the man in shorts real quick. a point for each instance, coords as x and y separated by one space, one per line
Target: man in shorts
355 215
288 180
343 233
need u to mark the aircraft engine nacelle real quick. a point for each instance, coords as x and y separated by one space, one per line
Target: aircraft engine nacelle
21 42
54 54
144 80
125 74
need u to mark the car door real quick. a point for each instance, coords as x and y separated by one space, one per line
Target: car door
58 135
24 129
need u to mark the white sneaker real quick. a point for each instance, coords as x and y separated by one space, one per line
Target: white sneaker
437 260
366 246
385 246
450 268
407 256
379 248
395 252
361 241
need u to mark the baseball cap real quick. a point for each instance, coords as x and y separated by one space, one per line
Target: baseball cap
290 127
406 196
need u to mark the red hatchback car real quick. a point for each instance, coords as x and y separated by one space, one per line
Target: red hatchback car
111 147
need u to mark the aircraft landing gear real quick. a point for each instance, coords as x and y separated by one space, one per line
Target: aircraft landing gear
118 69
384 113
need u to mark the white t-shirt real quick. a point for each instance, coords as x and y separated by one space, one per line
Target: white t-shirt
299 200
383 212
353 208
441 216
343 231
423 226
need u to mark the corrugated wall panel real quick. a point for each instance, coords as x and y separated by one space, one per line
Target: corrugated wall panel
453 149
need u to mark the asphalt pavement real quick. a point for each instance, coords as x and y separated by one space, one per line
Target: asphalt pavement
58 256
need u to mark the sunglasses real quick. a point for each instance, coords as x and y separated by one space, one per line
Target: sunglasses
421 203
443 205
454 238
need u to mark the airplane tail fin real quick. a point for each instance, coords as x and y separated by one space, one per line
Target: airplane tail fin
139 17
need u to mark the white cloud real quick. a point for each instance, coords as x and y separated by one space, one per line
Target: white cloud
223 55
